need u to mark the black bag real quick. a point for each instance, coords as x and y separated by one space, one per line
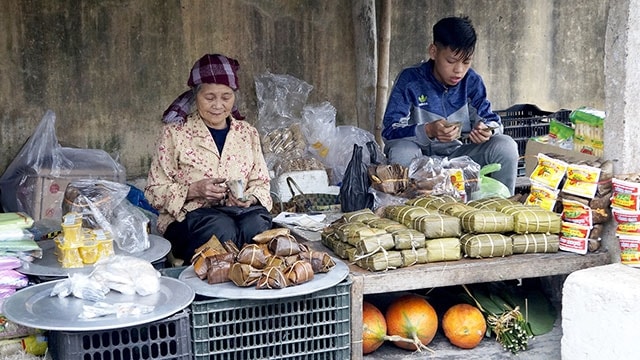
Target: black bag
354 191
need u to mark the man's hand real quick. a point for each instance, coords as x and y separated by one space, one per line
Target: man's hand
481 133
442 130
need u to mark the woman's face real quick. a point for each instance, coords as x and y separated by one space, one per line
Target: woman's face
214 103
449 67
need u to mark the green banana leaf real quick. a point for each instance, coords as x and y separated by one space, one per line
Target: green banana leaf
537 309
486 302
499 297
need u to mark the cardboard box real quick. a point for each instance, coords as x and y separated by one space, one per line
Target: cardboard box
309 182
41 194
534 148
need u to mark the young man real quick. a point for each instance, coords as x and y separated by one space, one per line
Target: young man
436 104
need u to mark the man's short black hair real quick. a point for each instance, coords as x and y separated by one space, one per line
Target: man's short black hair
456 33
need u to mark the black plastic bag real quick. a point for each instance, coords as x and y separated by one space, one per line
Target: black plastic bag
354 191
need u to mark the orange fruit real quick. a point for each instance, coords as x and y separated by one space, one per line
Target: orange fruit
412 317
374 328
464 325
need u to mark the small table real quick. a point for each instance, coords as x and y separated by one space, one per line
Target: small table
439 274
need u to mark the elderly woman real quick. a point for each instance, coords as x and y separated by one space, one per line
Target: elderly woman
204 143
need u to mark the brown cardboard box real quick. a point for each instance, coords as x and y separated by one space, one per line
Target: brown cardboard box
534 148
41 194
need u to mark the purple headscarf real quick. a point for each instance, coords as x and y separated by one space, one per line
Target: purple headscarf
209 69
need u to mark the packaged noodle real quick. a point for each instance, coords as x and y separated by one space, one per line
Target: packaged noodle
582 180
576 245
626 195
542 196
549 171
589 130
629 250
577 213
575 230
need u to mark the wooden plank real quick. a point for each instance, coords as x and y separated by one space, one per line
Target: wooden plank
356 316
465 271
469 271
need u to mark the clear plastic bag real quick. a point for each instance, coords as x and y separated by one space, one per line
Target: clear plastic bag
281 99
43 155
470 171
319 127
104 205
341 149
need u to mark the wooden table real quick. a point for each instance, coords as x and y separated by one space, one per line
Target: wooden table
465 271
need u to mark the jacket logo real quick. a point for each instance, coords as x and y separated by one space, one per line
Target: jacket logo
422 99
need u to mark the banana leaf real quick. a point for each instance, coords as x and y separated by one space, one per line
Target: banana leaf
284 246
252 254
299 272
268 235
537 309
533 304
485 301
272 278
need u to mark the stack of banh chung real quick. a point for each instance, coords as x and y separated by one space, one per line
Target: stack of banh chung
441 228
276 260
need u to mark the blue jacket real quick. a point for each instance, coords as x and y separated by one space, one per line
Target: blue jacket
418 98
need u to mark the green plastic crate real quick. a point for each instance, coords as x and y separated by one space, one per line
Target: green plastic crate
311 326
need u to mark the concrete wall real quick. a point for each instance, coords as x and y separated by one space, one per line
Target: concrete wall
110 68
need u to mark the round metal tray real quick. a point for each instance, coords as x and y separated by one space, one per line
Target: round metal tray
229 290
34 307
49 265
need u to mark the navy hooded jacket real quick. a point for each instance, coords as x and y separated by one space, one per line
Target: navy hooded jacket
418 98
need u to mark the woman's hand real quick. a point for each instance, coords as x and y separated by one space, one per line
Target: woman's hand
213 190
481 133
232 201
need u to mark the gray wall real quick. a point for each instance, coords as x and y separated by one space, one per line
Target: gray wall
108 69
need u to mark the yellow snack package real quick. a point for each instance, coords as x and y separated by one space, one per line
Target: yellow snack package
72 229
68 256
542 196
582 180
549 171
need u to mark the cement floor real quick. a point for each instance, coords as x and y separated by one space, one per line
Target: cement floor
544 347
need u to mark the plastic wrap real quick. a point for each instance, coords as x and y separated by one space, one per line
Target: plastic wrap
125 274
341 149
488 187
319 127
20 188
103 205
281 99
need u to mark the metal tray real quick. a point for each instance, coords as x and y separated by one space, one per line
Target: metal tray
228 290
49 265
34 307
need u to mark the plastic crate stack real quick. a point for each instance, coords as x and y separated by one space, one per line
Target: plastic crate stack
168 339
311 326
524 121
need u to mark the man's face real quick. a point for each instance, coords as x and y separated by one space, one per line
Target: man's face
449 67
